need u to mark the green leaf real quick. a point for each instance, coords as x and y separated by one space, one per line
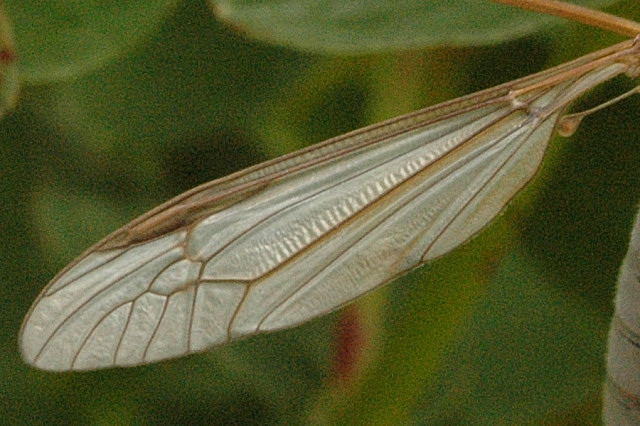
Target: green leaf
365 26
194 81
65 38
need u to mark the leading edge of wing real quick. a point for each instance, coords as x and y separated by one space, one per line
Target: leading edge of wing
220 193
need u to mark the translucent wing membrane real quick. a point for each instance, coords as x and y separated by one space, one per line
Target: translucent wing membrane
297 237
622 388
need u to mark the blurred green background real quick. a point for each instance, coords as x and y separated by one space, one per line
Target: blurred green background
126 104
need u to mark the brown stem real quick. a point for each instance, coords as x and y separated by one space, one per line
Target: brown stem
580 14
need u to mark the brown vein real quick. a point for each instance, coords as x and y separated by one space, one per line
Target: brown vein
92 298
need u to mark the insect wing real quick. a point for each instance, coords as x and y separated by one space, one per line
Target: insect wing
298 237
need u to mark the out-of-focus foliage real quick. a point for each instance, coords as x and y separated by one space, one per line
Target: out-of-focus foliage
508 329
61 39
367 26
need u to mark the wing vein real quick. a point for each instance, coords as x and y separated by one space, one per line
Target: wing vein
94 328
155 329
394 208
92 298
